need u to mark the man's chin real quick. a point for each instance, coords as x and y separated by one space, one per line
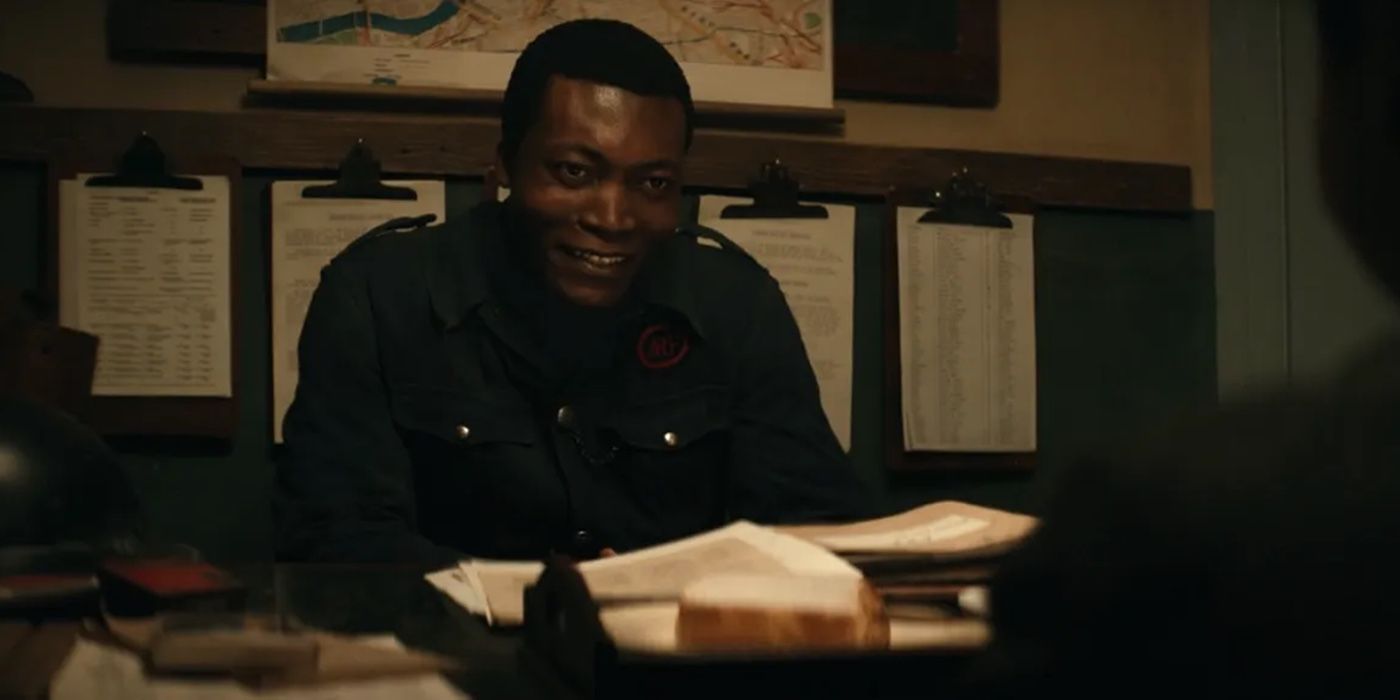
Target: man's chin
590 295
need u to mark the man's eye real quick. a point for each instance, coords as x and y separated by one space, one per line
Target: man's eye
657 184
572 172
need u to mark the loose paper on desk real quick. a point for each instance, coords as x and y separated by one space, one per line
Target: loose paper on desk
495 589
306 234
967 335
941 527
95 670
146 270
814 263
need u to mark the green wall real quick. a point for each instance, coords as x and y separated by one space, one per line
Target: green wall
1294 302
1125 332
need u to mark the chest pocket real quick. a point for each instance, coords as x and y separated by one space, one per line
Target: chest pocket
451 417
675 424
673 459
477 469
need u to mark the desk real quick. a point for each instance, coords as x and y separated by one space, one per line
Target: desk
396 600
494 665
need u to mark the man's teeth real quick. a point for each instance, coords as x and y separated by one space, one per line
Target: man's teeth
597 258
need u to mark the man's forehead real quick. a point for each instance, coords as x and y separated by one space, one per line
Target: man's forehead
611 117
590 98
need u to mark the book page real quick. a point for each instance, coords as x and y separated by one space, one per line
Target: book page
741 548
147 271
967 335
458 586
500 585
944 527
813 261
306 234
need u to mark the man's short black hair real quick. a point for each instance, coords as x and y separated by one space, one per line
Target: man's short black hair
602 51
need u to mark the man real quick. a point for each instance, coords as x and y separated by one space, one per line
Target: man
570 372
1253 554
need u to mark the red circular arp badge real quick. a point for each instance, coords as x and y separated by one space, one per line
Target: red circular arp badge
660 347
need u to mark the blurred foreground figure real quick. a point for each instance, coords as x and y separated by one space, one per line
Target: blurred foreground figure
1251 554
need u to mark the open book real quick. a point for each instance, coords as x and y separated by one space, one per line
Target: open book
495 589
945 529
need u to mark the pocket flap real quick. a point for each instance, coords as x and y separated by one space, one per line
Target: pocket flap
459 417
673 422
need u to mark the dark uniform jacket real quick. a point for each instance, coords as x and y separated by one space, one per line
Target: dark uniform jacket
1252 553
447 406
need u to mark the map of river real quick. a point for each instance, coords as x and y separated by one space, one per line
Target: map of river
782 34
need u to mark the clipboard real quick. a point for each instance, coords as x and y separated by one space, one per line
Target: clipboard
144 164
774 193
962 200
359 178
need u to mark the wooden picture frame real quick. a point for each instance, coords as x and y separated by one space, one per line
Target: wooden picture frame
959 67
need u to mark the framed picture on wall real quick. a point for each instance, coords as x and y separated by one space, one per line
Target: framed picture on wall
934 51
774 52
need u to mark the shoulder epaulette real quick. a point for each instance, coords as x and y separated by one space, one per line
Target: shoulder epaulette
397 225
709 237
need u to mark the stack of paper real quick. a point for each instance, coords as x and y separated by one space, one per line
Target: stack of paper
495 589
640 591
933 553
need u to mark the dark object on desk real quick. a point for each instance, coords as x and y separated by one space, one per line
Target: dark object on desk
13 89
358 179
47 583
562 624
141 587
774 197
62 491
61 482
143 165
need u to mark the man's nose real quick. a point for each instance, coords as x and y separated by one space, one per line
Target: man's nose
610 213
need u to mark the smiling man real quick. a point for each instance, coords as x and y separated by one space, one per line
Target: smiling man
571 371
